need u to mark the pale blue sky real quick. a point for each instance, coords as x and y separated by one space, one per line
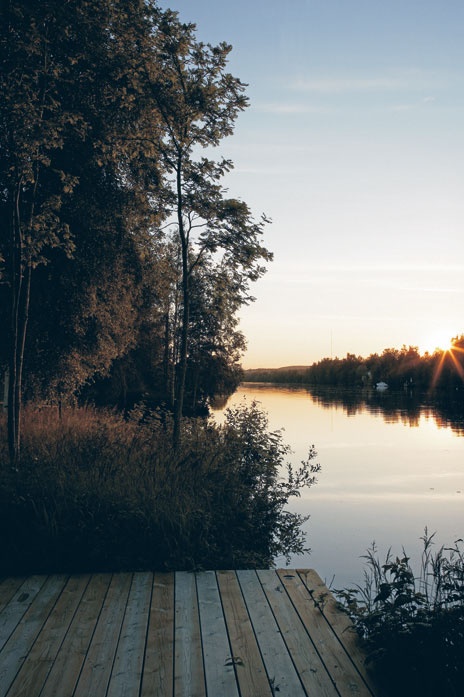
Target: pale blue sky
354 146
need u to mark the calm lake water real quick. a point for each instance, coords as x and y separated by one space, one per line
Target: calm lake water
391 465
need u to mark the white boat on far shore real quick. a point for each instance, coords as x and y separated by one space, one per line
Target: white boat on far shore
381 386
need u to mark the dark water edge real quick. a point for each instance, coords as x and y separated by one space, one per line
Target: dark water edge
406 406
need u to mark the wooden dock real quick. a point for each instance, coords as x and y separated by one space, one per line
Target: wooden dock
206 634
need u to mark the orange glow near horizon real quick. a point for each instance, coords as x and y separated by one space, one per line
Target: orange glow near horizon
438 370
437 341
459 369
450 351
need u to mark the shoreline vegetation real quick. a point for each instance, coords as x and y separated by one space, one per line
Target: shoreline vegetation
403 369
412 626
100 491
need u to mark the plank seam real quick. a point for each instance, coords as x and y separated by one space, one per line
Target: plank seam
66 632
146 634
18 583
19 619
228 635
201 636
327 670
254 632
283 637
317 605
119 633
40 629
92 634
280 632
174 635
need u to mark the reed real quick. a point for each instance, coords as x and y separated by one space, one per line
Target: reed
412 622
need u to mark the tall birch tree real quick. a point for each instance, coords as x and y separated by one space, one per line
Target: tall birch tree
199 102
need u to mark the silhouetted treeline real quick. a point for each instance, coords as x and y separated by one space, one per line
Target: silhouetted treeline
401 368
123 263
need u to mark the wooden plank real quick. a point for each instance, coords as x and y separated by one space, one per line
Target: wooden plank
219 669
279 667
96 671
32 675
339 622
189 679
245 654
310 668
158 671
66 669
21 640
214 633
127 670
338 663
8 588
18 606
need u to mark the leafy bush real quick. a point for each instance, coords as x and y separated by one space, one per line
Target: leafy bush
413 627
96 491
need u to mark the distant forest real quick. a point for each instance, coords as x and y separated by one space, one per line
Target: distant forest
401 368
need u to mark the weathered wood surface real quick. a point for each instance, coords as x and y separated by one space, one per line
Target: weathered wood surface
205 634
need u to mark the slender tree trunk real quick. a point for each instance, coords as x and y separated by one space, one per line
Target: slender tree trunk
182 371
166 354
16 290
175 348
195 388
6 382
13 410
20 343
20 282
20 293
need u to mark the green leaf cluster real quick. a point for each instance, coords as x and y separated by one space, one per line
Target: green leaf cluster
412 623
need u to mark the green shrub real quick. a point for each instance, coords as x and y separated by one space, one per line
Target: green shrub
413 626
98 492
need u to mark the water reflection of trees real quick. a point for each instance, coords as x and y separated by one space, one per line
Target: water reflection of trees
394 406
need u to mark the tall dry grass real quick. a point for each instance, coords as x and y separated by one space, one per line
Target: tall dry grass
96 491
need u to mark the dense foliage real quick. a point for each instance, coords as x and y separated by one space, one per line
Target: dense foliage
117 236
400 368
96 491
413 625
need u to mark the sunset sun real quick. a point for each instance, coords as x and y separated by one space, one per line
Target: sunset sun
438 340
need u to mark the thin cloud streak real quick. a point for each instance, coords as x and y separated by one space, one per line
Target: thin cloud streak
343 318
341 85
410 80
287 108
316 279
400 267
431 289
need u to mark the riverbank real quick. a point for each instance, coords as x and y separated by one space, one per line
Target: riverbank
98 492
403 368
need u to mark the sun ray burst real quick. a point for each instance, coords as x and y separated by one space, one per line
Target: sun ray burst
438 369
457 365
453 354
